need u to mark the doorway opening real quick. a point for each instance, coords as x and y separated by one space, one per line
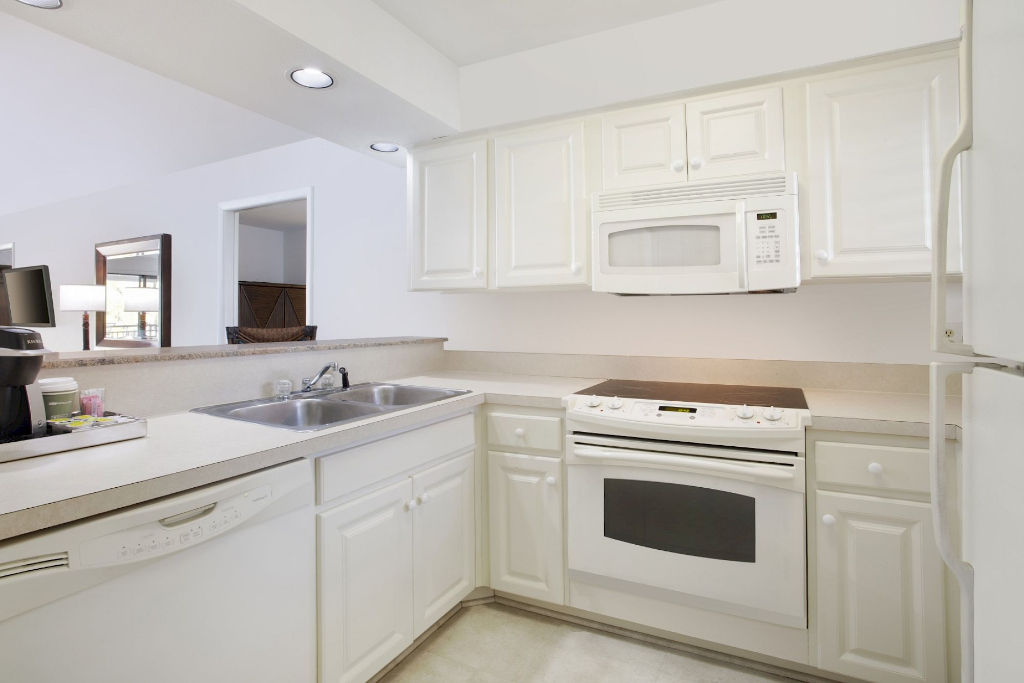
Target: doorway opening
268 261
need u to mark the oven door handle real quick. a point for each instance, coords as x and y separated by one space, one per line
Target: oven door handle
779 473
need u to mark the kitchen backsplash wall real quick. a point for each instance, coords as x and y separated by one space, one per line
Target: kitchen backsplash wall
893 378
149 389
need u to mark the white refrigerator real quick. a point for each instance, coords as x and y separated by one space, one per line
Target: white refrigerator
981 536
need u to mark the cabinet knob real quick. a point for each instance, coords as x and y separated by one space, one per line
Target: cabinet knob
550 480
575 268
519 431
411 504
696 163
422 498
828 520
875 468
823 256
678 165
478 271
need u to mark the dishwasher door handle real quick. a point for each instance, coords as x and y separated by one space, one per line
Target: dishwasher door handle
187 516
776 473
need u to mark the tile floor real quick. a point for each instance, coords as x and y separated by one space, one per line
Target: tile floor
495 642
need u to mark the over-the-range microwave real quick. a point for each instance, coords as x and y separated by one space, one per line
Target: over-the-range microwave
720 237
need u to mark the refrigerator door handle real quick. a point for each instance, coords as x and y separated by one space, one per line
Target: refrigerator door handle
941 190
943 509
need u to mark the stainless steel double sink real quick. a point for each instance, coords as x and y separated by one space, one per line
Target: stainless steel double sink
320 409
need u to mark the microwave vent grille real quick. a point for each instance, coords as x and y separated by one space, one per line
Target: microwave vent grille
736 188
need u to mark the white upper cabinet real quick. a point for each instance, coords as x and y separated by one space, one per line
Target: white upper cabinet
736 134
540 213
874 141
644 146
448 216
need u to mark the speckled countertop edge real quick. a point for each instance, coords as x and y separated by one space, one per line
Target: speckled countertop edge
79 359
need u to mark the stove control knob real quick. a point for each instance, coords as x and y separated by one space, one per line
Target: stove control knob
616 403
593 402
772 414
744 412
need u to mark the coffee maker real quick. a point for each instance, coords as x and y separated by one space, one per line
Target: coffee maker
22 415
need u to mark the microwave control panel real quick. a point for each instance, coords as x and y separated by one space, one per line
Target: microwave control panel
767 238
773 261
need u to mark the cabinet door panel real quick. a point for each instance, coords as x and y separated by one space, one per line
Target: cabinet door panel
448 216
444 539
526 526
644 146
880 590
736 134
875 140
541 231
365 584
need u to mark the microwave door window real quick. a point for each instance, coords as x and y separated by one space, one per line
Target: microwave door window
681 519
666 246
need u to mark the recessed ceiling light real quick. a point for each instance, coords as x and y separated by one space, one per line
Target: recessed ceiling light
312 78
45 4
384 147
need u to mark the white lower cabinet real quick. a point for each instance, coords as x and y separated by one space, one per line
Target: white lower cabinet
392 562
366 583
880 589
526 534
444 540
879 584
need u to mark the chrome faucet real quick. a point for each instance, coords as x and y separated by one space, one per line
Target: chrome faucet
308 384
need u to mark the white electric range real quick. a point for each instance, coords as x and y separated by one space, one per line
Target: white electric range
691 497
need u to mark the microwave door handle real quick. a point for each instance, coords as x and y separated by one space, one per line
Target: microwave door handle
741 244
780 473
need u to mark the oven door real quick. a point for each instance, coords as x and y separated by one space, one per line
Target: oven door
696 249
714 528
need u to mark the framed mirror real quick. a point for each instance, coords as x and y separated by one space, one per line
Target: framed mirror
137 275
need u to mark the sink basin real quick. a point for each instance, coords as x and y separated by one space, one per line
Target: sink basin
314 410
397 394
302 413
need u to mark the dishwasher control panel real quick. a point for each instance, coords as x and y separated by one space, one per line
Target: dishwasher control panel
176 531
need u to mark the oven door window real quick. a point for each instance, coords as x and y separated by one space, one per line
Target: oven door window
681 519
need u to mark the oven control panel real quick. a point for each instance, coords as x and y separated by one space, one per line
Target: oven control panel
688 414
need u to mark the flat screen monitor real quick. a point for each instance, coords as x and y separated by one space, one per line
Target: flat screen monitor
29 297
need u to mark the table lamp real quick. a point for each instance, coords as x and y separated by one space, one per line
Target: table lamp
141 300
83 298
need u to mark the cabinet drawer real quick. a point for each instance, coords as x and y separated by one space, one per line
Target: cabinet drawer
513 430
356 468
872 466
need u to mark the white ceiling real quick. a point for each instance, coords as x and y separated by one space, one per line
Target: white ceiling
76 121
283 216
470 31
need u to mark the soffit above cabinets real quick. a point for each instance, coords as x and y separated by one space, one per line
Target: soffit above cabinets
234 52
464 30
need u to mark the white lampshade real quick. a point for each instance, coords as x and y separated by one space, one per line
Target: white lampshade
83 297
141 299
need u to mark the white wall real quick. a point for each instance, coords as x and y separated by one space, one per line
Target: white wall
359 277
293 270
76 121
260 254
712 44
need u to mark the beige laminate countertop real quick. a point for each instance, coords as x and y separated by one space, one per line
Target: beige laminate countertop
187 450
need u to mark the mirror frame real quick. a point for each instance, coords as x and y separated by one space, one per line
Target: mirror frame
104 249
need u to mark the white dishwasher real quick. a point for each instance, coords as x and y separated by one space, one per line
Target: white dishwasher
214 584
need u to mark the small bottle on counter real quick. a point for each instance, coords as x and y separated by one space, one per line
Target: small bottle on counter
92 402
